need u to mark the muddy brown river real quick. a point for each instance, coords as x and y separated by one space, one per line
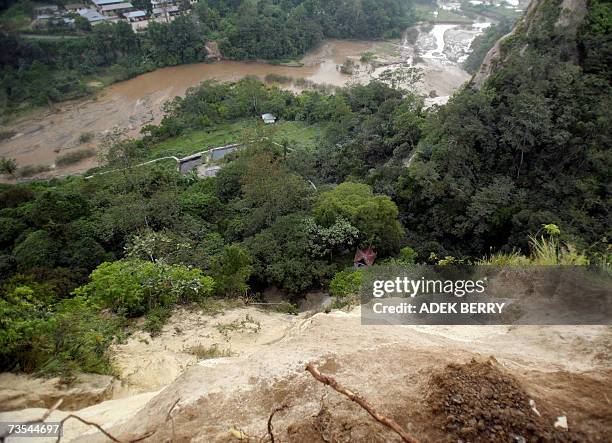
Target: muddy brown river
41 137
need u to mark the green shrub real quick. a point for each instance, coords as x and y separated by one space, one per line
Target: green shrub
346 283
367 57
76 338
21 317
39 249
134 287
232 269
406 257
72 337
513 258
8 166
156 319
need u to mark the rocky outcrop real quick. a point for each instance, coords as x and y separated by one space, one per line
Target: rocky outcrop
571 14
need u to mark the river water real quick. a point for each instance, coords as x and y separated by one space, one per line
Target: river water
131 104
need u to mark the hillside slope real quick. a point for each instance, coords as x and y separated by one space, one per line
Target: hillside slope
397 368
526 143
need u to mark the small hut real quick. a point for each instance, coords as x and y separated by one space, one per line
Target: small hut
365 257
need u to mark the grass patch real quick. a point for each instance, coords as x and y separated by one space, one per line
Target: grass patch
199 140
86 137
206 353
223 134
156 319
74 157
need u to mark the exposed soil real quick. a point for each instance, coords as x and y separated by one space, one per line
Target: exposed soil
480 402
407 373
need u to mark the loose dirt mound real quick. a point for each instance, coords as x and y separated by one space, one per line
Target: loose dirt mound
480 402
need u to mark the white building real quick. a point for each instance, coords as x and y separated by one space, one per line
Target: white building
92 16
137 19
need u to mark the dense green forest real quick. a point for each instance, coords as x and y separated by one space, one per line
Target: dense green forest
526 155
483 43
39 72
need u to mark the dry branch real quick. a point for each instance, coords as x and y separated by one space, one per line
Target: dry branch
168 415
270 427
388 422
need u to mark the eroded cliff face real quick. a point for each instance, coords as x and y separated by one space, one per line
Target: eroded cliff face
218 399
565 16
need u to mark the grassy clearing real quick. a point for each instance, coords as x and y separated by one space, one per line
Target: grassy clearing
223 134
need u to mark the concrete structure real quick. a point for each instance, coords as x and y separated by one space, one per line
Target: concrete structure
200 160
